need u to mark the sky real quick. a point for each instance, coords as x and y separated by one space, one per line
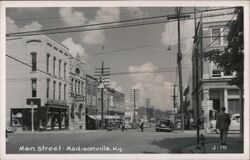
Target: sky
145 48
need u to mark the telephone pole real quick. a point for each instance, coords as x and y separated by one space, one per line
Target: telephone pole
196 80
179 58
135 94
174 101
101 73
147 104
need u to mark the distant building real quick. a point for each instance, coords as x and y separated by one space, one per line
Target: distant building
115 106
213 84
77 96
91 102
188 103
37 69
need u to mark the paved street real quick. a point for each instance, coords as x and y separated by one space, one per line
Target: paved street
131 141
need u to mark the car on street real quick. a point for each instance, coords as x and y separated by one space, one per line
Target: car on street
234 125
11 129
165 125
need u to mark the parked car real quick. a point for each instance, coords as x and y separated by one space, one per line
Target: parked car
11 129
165 125
234 126
128 126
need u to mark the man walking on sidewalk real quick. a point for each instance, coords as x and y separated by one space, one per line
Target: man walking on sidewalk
222 123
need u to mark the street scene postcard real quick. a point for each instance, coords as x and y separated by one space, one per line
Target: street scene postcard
125 80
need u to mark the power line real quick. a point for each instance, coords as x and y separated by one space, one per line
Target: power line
161 70
53 18
26 64
29 33
220 32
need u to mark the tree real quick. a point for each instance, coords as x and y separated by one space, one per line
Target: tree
231 59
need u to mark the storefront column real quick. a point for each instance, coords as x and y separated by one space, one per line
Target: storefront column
59 120
225 100
52 119
206 112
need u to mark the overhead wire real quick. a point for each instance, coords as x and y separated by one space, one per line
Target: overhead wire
39 32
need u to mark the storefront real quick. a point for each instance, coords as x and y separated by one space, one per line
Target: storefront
92 120
56 115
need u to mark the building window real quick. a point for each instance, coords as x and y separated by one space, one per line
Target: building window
65 65
60 61
54 90
60 90
48 55
48 81
72 85
77 71
79 86
33 86
216 38
233 106
82 88
64 91
233 92
54 66
76 86
215 71
225 34
33 59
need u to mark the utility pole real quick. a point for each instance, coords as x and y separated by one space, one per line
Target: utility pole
102 72
179 58
147 104
174 101
32 117
197 79
135 94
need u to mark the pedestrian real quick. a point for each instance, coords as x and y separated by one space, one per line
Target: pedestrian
222 123
191 120
6 136
141 126
123 128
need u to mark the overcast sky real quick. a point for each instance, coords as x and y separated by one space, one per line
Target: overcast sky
154 55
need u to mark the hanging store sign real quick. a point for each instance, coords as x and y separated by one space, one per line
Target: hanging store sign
207 104
80 99
56 102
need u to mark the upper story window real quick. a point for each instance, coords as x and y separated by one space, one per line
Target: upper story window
60 62
47 61
77 71
82 88
216 36
34 61
54 90
64 92
215 72
54 66
219 36
47 93
76 86
64 70
33 87
72 84
60 85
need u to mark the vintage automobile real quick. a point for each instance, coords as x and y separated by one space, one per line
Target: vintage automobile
165 125
10 129
234 126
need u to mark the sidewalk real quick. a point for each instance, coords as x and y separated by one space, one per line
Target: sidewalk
56 131
235 147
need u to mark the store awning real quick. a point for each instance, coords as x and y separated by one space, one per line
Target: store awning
95 117
98 117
